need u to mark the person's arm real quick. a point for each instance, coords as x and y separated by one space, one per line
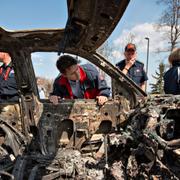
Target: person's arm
56 93
128 66
104 90
143 80
125 70
100 84
143 85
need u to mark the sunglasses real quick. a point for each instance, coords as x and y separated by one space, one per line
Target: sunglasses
130 50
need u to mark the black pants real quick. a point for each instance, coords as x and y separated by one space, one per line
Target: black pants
9 98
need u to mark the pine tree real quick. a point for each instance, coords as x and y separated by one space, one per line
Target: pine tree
157 87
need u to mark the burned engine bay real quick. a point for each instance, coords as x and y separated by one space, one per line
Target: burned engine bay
80 140
132 136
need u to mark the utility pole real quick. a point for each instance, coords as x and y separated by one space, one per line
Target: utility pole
147 60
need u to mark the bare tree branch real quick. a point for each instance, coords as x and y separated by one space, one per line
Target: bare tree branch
171 18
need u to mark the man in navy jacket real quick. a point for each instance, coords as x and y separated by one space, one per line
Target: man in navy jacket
78 81
8 87
132 67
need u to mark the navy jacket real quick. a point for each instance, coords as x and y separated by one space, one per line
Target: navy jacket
8 87
91 85
172 79
136 72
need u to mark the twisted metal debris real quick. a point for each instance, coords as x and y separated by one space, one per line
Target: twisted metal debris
146 145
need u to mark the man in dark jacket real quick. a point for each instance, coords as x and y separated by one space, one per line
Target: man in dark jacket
172 76
8 87
78 81
133 68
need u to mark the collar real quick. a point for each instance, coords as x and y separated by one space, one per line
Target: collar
83 76
176 63
135 64
5 66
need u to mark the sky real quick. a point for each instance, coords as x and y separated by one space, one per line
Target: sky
139 21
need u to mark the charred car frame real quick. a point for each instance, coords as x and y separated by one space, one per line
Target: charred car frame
132 136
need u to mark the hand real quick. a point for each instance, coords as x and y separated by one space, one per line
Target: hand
129 63
101 99
54 99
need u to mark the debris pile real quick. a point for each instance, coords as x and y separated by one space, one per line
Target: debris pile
149 146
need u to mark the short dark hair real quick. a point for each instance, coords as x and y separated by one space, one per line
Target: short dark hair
65 62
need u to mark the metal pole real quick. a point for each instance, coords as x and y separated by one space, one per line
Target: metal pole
147 61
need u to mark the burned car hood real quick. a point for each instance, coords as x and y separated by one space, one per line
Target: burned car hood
89 24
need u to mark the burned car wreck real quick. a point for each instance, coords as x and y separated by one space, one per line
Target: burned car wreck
132 136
